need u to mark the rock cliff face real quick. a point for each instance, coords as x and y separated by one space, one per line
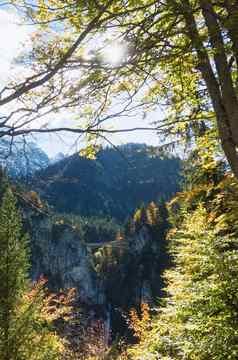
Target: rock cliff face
143 249
59 254
23 160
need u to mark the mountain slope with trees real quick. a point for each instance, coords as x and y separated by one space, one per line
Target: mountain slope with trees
113 185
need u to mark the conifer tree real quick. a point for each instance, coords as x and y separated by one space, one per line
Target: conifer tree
13 269
25 332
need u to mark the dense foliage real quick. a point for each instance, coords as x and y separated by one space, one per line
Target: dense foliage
198 319
27 313
131 266
91 229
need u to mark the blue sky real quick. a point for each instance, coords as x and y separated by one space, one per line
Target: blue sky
12 38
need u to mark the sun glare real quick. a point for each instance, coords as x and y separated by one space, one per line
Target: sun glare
114 54
10 45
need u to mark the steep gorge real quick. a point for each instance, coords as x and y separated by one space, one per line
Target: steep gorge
114 264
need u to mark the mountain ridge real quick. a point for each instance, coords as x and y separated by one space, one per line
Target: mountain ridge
114 184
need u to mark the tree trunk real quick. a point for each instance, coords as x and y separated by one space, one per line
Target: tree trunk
218 91
230 24
229 98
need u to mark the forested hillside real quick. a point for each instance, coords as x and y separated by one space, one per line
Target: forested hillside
197 319
113 185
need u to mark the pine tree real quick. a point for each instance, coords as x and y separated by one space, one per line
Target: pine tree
13 269
25 319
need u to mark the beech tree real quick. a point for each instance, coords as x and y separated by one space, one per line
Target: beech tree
179 55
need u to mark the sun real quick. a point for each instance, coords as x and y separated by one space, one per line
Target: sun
114 54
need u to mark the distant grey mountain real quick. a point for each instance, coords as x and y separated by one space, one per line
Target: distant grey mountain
21 159
60 156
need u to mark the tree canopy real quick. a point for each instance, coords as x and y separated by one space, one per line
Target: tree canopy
179 55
